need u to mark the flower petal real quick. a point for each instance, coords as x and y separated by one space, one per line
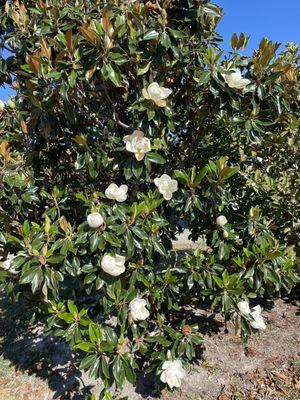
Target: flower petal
161 103
139 155
165 92
145 94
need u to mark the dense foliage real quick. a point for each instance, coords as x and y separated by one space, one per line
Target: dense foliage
211 140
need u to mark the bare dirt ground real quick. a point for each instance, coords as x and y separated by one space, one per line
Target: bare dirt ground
38 367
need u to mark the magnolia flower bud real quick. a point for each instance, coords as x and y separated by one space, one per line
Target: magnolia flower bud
113 265
2 105
107 42
11 103
95 220
137 144
138 310
221 220
172 373
157 94
166 186
235 80
114 192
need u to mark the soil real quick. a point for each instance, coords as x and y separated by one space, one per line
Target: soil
38 367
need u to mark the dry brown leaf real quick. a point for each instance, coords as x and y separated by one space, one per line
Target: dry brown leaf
151 6
297 386
223 396
106 20
4 150
69 40
63 224
45 48
89 36
24 126
282 377
250 351
34 63
80 140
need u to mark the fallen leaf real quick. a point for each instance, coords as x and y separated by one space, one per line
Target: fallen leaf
282 377
250 351
297 386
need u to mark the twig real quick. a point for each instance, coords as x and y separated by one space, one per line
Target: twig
115 114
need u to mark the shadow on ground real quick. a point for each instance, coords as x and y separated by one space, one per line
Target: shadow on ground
43 356
48 358
293 298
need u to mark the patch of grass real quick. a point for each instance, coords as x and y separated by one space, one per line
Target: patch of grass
6 379
211 368
5 368
296 365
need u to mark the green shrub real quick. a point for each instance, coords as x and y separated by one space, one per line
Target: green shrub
139 95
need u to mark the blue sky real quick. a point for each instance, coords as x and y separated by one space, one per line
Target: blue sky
277 20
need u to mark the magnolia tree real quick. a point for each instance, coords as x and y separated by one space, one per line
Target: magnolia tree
127 120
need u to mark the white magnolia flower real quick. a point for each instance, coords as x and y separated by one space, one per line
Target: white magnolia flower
113 265
166 186
244 308
221 220
235 80
137 144
6 264
157 93
2 105
138 310
258 321
172 373
114 192
95 220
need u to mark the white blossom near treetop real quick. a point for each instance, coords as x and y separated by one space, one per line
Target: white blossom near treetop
138 144
157 94
2 105
138 310
221 220
166 186
235 80
115 192
255 318
113 265
95 220
172 372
